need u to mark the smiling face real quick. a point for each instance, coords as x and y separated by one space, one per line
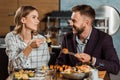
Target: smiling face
78 22
82 19
31 21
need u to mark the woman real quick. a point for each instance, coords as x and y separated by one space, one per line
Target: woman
24 47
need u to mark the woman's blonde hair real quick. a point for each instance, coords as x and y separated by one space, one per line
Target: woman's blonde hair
22 11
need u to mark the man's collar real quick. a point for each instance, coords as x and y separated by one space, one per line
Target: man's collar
86 40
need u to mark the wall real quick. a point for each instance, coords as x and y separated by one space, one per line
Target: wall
68 4
8 8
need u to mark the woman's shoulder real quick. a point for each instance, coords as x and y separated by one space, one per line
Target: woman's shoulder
10 34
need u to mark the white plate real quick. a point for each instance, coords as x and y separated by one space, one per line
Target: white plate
73 75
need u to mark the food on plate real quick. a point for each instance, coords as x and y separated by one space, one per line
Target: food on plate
31 74
69 69
51 67
60 69
44 68
23 74
84 68
18 75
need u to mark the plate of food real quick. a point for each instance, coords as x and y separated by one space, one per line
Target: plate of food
23 74
77 72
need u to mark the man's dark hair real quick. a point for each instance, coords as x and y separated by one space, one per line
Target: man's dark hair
85 10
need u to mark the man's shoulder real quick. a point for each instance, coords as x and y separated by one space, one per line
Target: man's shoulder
69 35
101 34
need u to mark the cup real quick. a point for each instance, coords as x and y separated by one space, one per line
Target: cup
93 74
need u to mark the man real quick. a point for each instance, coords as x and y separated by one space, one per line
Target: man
88 43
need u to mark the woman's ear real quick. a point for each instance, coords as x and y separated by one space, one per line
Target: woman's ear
23 20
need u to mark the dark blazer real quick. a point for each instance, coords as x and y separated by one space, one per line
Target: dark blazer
99 45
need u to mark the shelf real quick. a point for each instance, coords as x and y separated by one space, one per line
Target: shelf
58 25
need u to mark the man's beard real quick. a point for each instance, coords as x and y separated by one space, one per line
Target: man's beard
79 30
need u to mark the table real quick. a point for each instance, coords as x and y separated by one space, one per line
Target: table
102 75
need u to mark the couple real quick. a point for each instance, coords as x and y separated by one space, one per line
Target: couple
26 49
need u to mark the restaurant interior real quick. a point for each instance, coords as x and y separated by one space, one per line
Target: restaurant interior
54 15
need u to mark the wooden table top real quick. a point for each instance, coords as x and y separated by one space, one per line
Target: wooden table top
102 74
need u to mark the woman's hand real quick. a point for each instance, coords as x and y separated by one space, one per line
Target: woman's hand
35 43
83 57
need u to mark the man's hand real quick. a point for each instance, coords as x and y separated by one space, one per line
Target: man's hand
83 57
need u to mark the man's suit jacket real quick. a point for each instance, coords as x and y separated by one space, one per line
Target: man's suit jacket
99 45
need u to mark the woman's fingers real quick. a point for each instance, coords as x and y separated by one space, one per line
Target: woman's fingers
37 42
